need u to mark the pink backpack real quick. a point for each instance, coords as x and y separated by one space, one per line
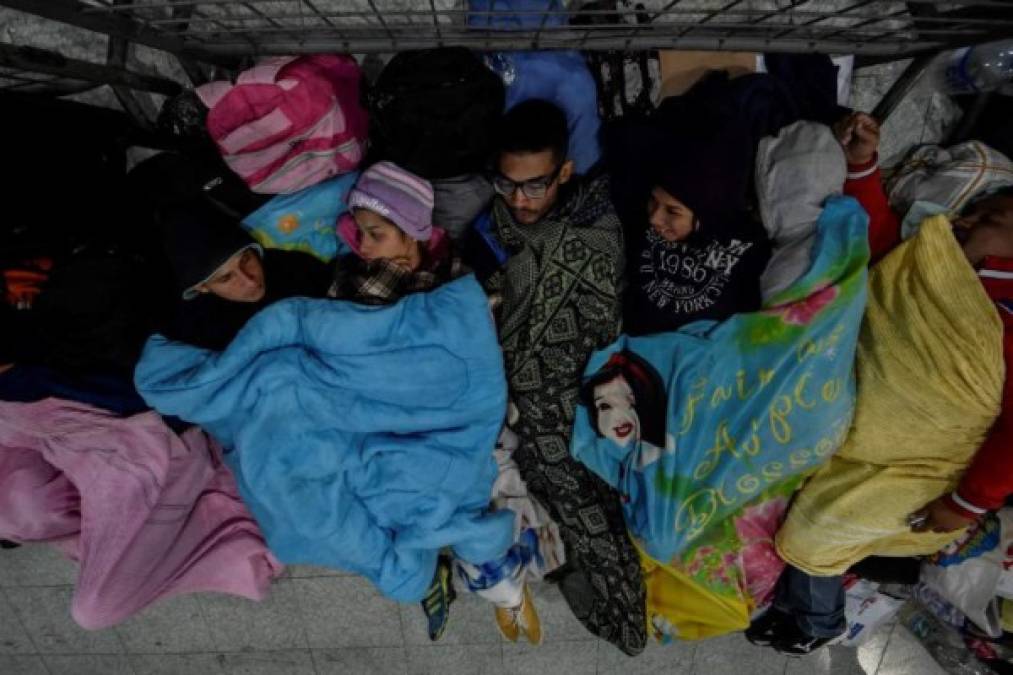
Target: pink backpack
290 121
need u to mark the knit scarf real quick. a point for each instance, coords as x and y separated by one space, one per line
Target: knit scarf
381 282
572 257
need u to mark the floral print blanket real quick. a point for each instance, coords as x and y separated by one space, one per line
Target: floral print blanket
707 432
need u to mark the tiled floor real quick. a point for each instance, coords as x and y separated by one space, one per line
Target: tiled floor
319 621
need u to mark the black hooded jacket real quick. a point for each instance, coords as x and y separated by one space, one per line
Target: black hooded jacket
198 239
715 272
700 147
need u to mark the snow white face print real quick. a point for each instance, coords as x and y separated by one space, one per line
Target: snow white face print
617 417
682 278
627 402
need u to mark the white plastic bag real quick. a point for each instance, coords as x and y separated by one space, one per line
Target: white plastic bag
967 574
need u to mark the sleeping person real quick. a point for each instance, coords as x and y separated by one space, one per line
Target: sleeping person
223 277
397 251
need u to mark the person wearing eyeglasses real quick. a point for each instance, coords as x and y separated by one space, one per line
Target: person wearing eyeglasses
559 247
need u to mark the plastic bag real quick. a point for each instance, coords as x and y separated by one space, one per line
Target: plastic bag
967 573
866 609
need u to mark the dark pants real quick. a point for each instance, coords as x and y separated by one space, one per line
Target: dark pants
817 603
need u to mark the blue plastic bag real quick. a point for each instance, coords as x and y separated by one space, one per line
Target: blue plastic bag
526 14
564 79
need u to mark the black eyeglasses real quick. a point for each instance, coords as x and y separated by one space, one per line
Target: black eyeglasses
533 188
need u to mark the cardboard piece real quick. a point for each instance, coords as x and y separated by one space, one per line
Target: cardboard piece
681 69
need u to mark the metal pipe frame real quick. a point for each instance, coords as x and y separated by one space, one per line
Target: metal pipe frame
74 13
30 59
198 29
901 86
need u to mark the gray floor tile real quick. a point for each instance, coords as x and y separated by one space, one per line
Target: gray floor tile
472 622
87 664
45 614
904 655
310 571
176 664
13 637
360 661
172 626
833 660
558 621
870 653
455 660
577 657
672 659
729 653
287 662
36 565
240 625
347 612
22 665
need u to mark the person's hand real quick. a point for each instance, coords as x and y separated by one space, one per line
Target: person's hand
937 516
858 134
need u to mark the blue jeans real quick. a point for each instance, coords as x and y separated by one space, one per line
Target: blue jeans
817 603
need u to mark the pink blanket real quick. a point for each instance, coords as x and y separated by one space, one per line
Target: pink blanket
147 513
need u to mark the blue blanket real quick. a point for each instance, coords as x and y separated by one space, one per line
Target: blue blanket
361 437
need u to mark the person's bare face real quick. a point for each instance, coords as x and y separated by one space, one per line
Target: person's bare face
526 166
670 218
239 279
382 239
987 229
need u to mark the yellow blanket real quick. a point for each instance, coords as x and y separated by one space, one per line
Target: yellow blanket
930 375
691 611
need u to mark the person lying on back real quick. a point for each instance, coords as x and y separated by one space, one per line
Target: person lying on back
560 243
224 277
694 249
809 610
985 232
396 248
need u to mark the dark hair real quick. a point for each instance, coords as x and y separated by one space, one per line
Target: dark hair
650 397
1002 193
534 125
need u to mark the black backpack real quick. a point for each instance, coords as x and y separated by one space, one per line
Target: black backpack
434 112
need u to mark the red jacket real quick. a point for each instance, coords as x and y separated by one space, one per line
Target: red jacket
989 478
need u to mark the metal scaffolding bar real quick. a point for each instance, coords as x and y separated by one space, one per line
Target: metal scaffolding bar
30 59
73 12
328 19
373 44
140 108
900 88
191 67
207 30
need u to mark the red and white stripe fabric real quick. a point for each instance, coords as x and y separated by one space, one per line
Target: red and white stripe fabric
289 122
